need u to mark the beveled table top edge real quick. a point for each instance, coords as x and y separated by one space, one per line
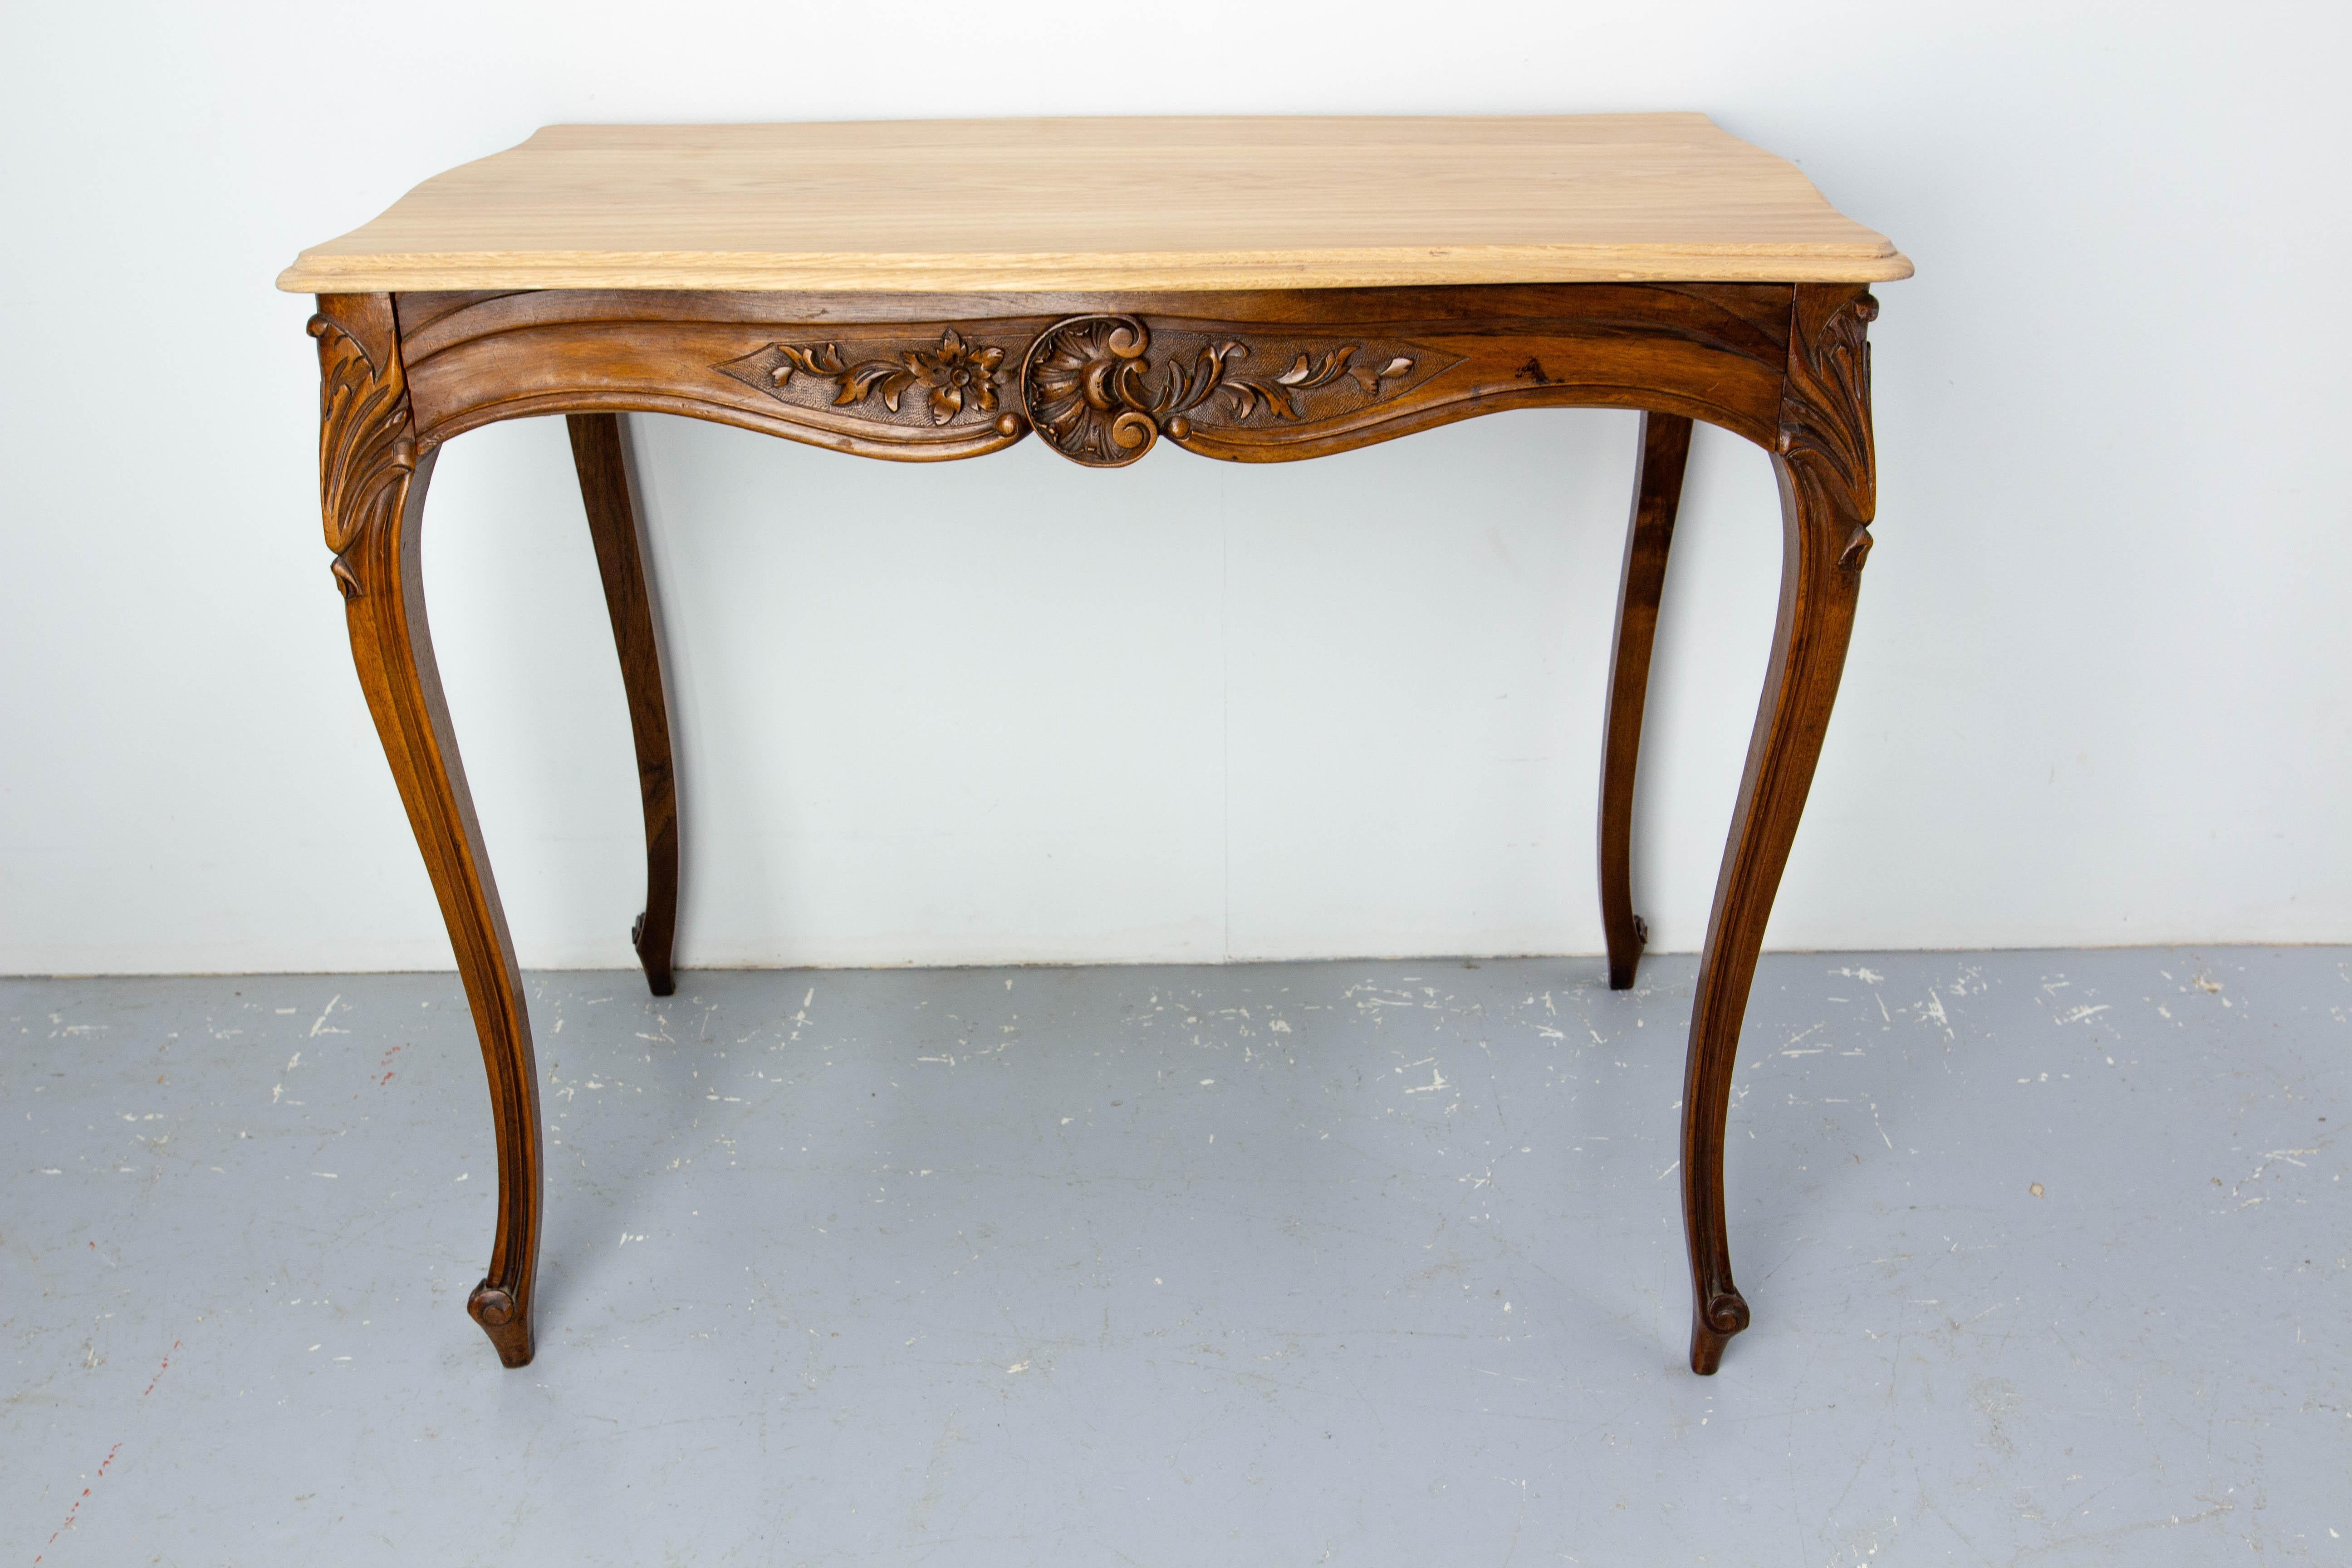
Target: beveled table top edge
1030 273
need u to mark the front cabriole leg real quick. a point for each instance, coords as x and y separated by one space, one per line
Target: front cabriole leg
371 481
1828 478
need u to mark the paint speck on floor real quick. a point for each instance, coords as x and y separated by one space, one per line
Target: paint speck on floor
1431 1303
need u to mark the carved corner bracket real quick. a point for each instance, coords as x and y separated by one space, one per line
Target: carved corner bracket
367 445
1825 423
1100 388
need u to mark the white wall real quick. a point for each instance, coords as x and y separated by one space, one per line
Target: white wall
1015 710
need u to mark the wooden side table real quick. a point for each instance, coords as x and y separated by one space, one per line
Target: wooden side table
1253 290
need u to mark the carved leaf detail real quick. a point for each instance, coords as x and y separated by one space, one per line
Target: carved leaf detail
858 383
953 374
823 360
1183 390
367 449
1825 432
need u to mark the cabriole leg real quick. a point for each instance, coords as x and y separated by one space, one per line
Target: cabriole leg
599 451
372 481
1828 497
1657 494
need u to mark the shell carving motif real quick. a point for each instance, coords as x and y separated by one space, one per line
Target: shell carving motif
1083 386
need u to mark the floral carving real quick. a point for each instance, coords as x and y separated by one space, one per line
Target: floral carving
1101 388
951 374
1089 384
1825 433
953 371
367 447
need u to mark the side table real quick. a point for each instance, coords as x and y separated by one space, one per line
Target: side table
1256 289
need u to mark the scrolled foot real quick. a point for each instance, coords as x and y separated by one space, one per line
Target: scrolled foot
656 964
1724 1314
508 1324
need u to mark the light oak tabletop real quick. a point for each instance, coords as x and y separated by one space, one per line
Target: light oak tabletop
1105 205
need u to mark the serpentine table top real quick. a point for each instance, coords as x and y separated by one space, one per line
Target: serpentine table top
980 206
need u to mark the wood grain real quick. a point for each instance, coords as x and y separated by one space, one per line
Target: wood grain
373 476
1827 470
1649 536
1714 352
599 451
1107 204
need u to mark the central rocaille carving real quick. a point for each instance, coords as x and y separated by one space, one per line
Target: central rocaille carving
1083 387
1098 387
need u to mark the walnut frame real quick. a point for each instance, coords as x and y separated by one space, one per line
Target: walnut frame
1248 376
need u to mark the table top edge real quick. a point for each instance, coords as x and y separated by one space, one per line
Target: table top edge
1417 267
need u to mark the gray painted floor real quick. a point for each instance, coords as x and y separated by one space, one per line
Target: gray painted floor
1357 1263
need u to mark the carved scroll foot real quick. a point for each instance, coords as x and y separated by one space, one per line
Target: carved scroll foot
372 481
508 1323
599 452
1722 1314
1828 481
1657 495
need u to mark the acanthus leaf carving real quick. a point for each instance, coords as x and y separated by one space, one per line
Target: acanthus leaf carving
1825 422
367 446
